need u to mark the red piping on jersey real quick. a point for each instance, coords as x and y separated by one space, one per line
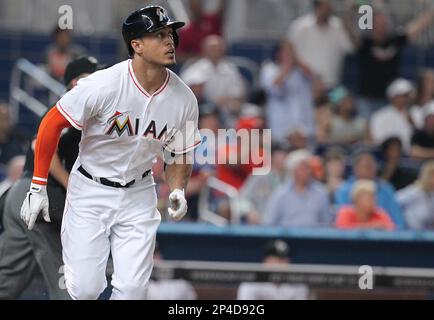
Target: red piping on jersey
143 90
164 85
188 148
194 145
68 116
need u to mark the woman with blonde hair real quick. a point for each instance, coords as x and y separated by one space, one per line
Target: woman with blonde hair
364 212
417 200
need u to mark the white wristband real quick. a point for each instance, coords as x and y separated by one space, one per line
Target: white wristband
36 188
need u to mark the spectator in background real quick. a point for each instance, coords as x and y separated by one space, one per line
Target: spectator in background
379 54
334 171
417 200
365 168
302 201
201 25
425 95
61 52
289 95
394 169
394 120
169 289
298 139
224 86
321 42
237 159
422 142
196 80
317 167
345 127
258 188
323 120
236 174
10 146
425 87
276 253
364 213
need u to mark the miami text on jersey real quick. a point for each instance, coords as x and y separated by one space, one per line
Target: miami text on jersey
120 122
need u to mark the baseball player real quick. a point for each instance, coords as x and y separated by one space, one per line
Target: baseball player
129 114
21 250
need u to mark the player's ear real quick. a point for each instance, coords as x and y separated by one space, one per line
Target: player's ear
137 45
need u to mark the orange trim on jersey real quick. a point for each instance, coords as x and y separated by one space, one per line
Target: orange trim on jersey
47 140
68 117
133 77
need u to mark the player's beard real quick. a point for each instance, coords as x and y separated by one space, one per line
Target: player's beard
168 65
171 64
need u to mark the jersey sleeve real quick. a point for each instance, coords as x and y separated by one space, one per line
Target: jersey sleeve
81 103
187 138
46 143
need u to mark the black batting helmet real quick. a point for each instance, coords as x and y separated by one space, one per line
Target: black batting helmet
146 20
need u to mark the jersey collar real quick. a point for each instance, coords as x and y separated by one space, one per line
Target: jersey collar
137 84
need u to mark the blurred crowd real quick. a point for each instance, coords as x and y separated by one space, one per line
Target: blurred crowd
340 158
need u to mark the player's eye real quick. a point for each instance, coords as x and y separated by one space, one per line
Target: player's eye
163 34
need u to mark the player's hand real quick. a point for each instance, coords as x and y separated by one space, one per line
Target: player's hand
177 204
35 202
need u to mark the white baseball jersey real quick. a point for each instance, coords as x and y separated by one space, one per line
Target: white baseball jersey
123 127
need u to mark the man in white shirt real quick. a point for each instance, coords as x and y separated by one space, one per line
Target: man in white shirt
321 42
169 289
394 120
276 253
224 85
289 95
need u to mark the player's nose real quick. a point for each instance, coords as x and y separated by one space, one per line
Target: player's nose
171 42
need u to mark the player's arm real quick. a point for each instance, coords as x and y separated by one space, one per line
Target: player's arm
179 163
177 174
56 168
46 144
58 171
